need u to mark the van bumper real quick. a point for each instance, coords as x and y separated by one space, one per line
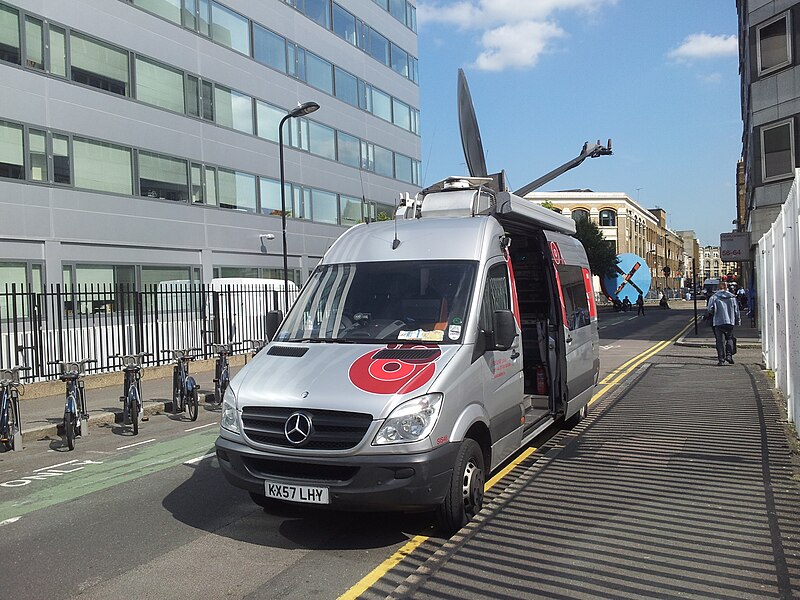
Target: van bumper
358 483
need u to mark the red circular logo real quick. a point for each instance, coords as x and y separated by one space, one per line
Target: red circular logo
392 375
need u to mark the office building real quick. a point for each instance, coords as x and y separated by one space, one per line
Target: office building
139 139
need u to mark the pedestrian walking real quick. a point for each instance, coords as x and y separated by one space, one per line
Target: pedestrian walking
724 312
639 304
663 304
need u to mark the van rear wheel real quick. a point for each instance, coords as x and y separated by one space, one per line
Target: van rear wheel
464 499
577 417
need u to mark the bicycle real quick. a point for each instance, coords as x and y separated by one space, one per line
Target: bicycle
185 391
10 421
75 413
221 370
132 387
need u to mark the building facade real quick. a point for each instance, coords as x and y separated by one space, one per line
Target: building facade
628 227
692 259
770 92
139 139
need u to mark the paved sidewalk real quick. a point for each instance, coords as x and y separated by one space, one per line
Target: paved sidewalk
680 484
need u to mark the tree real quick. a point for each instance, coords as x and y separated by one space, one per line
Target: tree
601 254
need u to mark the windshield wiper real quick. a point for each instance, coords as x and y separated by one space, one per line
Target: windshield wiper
319 340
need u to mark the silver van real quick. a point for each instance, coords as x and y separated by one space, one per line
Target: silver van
421 354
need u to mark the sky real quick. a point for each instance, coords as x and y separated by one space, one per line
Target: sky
658 78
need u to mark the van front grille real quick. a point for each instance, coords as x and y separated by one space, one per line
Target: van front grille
298 471
331 429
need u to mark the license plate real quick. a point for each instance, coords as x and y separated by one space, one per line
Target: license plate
296 493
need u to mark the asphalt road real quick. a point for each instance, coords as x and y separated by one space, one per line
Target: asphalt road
151 516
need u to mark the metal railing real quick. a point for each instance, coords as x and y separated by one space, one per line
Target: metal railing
97 321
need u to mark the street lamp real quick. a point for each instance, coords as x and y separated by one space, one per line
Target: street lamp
300 111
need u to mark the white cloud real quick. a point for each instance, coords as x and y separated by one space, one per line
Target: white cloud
711 78
699 46
514 32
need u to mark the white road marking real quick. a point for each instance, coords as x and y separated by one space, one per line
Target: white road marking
194 461
136 444
610 346
201 426
9 521
69 462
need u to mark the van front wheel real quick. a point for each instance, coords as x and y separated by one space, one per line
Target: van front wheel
464 499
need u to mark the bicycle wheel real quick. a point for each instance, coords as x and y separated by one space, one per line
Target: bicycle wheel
133 408
177 405
70 425
192 403
218 392
6 434
13 422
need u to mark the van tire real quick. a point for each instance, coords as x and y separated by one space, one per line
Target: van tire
577 417
464 498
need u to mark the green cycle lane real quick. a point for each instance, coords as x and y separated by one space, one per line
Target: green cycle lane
66 480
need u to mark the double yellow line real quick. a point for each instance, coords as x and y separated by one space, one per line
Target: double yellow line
609 381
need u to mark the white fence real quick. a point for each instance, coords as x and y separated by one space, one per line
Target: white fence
778 288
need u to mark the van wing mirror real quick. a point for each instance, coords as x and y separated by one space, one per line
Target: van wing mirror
274 318
505 329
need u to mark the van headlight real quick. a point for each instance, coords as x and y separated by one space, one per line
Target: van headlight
411 421
230 418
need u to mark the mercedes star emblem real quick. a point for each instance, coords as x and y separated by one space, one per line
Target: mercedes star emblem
298 428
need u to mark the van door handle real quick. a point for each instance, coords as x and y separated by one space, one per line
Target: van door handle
569 339
514 354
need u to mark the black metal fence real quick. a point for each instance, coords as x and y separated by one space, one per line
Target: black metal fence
95 322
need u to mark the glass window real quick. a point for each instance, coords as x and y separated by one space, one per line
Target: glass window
269 48
207 100
324 207
350 210
580 214
299 137
34 43
301 202
495 296
367 156
163 177
61 162
99 65
777 143
364 95
204 17
296 65
576 302
237 190
384 4
414 120
192 96
384 162
230 29
189 14
362 34
608 218
349 149
268 118
381 105
11 160
9 35
212 198
319 11
411 16
414 69
169 9
378 47
37 154
397 8
58 51
154 275
774 44
400 60
401 114
319 73
159 85
270 196
102 167
322 140
234 110
402 168
415 179
344 24
197 184
346 86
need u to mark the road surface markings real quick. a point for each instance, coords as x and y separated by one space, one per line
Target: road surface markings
201 426
52 471
609 381
378 572
194 461
136 444
9 521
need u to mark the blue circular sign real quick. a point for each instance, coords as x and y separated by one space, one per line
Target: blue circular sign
631 277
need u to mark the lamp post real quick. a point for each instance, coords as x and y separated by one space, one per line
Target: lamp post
300 111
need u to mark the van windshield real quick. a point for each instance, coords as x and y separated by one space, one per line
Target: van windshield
383 302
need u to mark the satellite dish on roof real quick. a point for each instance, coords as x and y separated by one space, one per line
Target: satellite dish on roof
470 134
